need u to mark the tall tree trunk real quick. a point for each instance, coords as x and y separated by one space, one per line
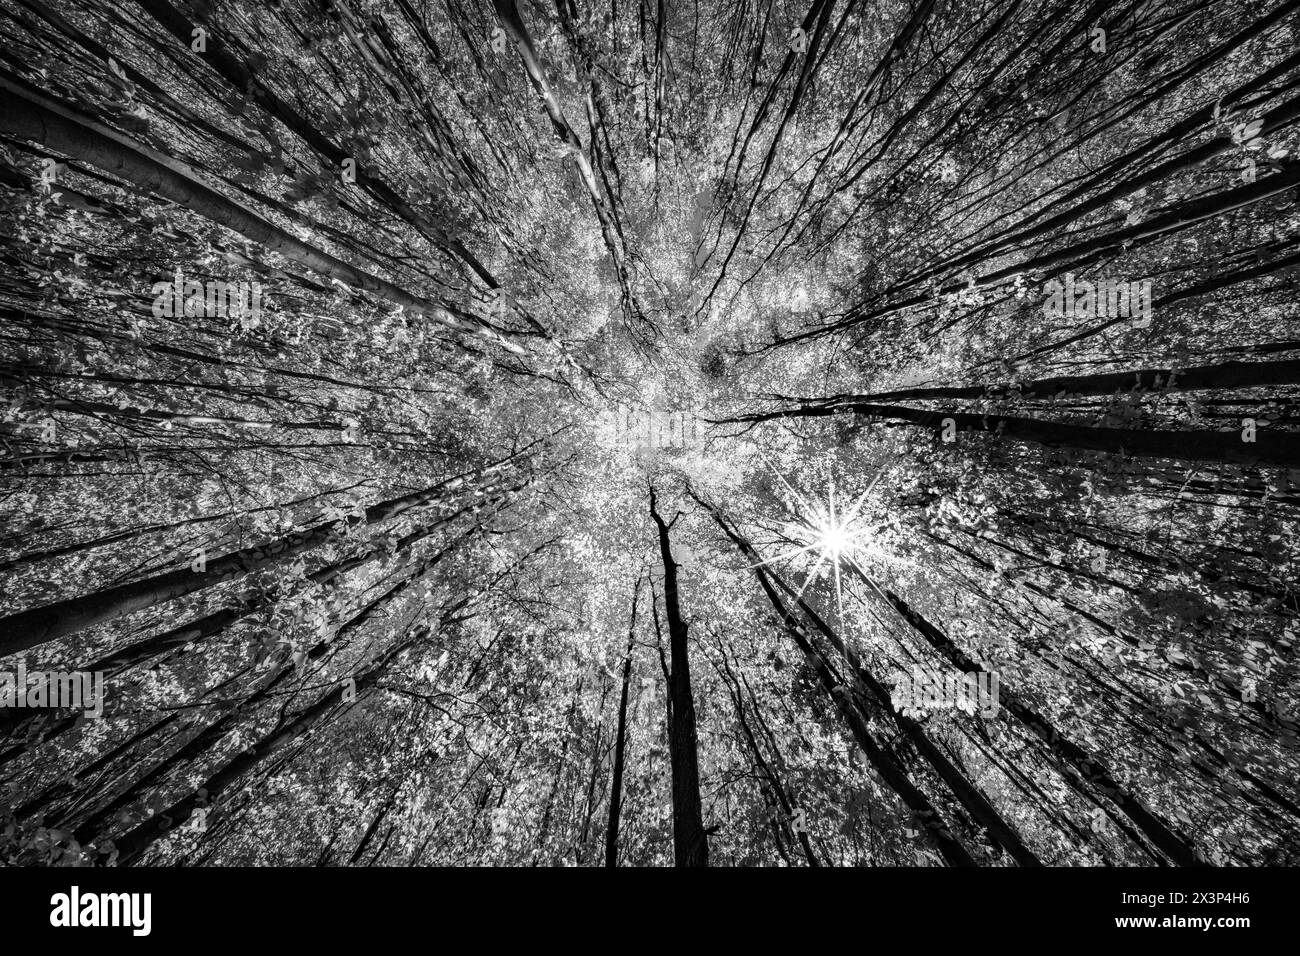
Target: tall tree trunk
1228 375
36 626
199 744
880 757
767 770
374 826
1063 750
30 115
135 842
690 843
1270 447
967 794
620 746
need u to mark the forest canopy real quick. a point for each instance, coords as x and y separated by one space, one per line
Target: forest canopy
747 433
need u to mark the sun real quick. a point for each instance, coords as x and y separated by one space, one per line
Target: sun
834 535
834 540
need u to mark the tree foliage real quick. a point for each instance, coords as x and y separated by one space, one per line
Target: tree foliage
633 397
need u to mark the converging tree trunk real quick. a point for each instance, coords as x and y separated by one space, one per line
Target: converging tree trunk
690 842
620 744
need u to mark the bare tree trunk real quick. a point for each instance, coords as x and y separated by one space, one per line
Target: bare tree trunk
29 115
620 747
36 626
1228 375
1270 447
1063 750
134 843
690 843
883 759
